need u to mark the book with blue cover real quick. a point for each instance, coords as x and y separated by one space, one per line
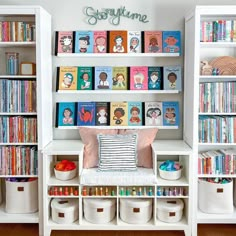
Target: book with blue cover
155 78
66 114
172 78
170 113
86 114
84 42
103 77
171 41
135 113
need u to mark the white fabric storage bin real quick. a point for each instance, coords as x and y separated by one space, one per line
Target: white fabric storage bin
215 198
21 197
170 210
99 210
135 211
65 211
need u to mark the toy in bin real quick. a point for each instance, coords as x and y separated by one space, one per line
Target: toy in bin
170 170
65 170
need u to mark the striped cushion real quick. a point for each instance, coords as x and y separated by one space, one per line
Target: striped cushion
117 152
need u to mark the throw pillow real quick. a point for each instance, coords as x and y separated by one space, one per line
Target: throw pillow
89 139
144 150
117 152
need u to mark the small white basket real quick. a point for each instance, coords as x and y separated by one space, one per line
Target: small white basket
170 210
65 211
21 197
171 175
65 175
100 210
135 211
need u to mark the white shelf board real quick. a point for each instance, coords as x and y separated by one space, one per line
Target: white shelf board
217 113
55 226
63 196
181 225
103 196
146 226
17 218
216 144
204 218
18 176
64 147
171 147
136 196
216 176
17 44
119 127
217 78
53 181
110 91
18 76
109 55
18 144
167 197
18 113
217 44
108 224
179 182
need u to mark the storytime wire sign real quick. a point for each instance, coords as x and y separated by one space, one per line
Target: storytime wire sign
112 15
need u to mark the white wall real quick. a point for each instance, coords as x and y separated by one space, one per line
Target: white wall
162 15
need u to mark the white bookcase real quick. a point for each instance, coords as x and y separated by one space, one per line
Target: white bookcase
39 52
162 150
195 51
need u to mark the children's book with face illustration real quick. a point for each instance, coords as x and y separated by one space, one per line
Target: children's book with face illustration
134 41
118 113
100 41
172 78
138 78
102 114
119 78
153 41
84 42
86 114
171 41
135 113
64 42
103 77
67 78
170 113
66 114
155 78
85 78
117 41
153 114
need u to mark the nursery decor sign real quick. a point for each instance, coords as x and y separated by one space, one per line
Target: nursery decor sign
112 15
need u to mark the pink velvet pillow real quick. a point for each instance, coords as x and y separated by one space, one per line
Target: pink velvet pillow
89 139
145 139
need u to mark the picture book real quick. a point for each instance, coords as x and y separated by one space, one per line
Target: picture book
171 41
118 41
172 78
102 113
67 78
170 113
135 113
66 114
155 77
64 42
134 41
118 113
138 77
152 41
103 77
86 113
119 78
85 78
100 41
84 42
153 114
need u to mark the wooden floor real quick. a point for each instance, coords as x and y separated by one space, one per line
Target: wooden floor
32 230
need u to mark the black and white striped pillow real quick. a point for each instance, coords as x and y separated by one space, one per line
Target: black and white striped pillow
117 152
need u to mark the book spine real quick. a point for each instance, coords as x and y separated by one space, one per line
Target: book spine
56 43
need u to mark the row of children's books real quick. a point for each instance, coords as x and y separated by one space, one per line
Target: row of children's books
217 97
121 41
217 129
119 78
17 31
18 160
218 31
18 129
164 113
17 95
222 162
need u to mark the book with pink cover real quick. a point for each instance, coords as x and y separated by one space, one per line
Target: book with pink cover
138 78
100 41
153 41
64 42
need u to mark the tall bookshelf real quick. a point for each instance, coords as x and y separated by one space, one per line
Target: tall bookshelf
36 50
196 51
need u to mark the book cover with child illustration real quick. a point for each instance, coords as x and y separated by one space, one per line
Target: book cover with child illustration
153 41
119 78
103 77
85 78
84 42
86 114
102 113
117 41
171 41
172 78
100 41
170 113
155 78
118 113
65 114
64 42
138 78
134 41
153 114
135 113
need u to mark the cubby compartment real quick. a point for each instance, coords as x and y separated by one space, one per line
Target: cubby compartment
136 191
98 191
